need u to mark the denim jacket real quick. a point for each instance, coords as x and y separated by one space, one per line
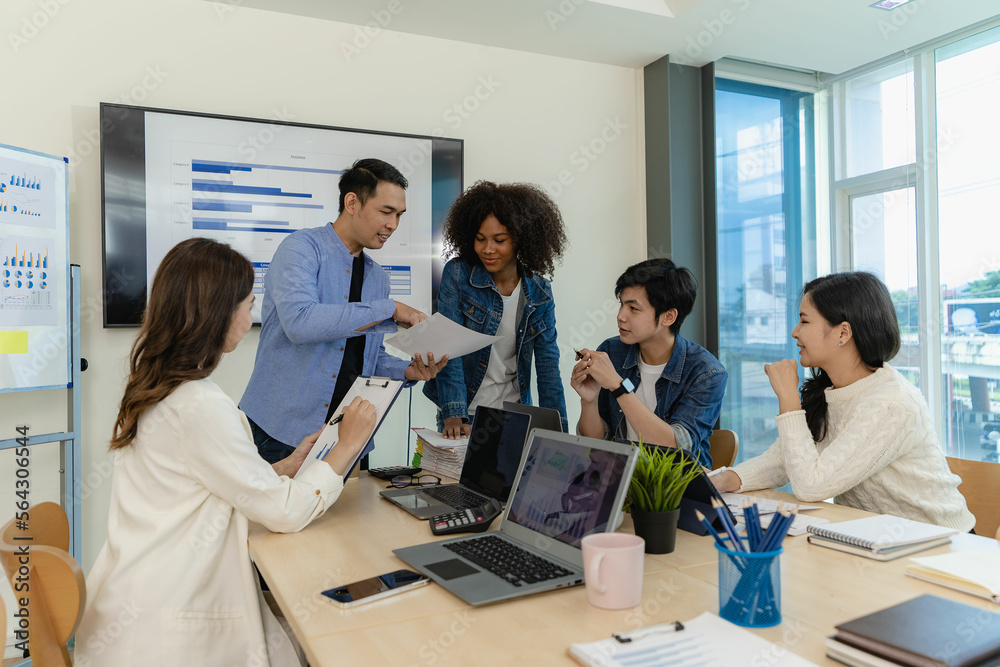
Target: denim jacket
468 296
688 394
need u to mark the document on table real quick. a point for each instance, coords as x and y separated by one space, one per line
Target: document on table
706 640
764 505
799 524
439 336
437 440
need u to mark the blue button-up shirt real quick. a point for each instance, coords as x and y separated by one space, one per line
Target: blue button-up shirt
688 393
306 319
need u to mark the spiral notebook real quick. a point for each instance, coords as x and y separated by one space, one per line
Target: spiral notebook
881 537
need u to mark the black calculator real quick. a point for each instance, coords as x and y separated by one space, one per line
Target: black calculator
393 471
473 520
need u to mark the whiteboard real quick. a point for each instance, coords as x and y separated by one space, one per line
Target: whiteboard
34 271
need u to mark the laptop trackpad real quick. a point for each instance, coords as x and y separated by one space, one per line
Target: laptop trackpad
451 569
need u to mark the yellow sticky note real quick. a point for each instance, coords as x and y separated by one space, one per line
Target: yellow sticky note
13 342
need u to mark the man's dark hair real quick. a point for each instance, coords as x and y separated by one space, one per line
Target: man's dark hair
364 176
667 286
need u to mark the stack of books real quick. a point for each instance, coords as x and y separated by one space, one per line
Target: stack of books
882 537
927 631
436 453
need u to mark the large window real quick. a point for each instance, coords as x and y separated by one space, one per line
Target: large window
764 167
967 83
915 182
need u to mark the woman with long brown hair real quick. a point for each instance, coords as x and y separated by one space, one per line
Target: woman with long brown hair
174 584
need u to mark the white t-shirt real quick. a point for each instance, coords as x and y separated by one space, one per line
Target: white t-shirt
646 391
500 381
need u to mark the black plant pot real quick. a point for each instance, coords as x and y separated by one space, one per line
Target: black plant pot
659 529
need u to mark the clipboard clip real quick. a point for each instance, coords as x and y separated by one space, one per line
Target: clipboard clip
382 385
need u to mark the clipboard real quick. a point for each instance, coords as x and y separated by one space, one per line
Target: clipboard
380 391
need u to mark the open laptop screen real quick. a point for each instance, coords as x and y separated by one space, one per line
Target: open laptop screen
567 490
494 453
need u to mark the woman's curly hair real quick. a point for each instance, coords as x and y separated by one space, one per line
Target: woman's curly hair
531 217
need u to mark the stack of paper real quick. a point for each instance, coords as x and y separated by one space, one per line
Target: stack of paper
440 455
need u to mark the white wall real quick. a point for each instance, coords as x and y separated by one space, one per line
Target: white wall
59 59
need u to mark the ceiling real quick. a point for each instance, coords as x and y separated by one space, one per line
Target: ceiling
829 36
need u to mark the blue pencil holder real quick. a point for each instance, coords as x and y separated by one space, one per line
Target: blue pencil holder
750 587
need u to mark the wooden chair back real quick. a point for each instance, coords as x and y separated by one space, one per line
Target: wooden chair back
35 551
981 488
723 446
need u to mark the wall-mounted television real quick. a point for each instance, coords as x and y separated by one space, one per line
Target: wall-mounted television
170 175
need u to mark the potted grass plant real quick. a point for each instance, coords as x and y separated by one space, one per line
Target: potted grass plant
654 496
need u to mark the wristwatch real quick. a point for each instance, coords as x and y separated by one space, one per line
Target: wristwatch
626 387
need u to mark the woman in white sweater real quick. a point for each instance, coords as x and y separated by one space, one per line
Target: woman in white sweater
860 433
174 584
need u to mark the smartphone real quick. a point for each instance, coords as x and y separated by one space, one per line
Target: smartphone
376 588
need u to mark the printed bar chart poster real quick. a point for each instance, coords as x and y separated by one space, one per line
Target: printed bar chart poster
27 292
34 275
251 188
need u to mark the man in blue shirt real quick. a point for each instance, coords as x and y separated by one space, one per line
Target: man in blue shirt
650 383
326 307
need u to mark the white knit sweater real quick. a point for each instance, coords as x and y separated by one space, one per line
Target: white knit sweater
880 454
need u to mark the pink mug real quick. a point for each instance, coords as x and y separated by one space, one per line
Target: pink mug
612 569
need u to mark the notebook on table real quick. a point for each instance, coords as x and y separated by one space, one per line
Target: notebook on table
973 572
928 631
496 442
567 486
882 537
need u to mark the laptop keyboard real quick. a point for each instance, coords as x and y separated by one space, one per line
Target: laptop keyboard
509 562
455 496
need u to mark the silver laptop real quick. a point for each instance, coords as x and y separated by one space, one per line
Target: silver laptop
496 443
568 486
545 418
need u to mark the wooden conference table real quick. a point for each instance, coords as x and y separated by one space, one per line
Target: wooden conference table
429 626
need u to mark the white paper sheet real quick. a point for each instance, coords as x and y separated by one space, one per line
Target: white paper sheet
439 336
437 440
764 505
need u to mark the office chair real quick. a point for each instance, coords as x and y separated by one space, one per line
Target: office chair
57 592
980 481
723 446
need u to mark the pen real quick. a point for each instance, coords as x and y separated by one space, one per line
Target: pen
336 420
579 354
625 637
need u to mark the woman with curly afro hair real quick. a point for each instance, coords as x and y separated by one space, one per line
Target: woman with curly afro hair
506 238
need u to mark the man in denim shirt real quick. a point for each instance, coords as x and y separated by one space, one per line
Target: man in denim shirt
326 307
650 383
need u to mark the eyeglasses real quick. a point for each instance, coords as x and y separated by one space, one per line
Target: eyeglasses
403 481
